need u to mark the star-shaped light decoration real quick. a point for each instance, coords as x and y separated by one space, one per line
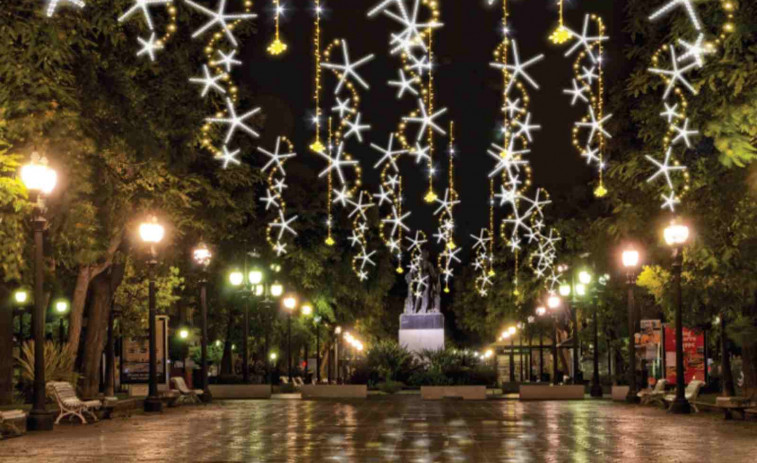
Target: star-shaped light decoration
342 196
284 225
683 133
228 157
336 163
577 93
446 204
149 46
397 221
671 113
420 153
269 199
675 74
235 122
342 107
508 159
525 127
355 128
347 68
52 5
583 39
518 68
426 120
226 60
670 201
382 196
595 125
275 158
359 207
695 50
219 17
686 4
404 84
365 258
208 81
664 168
390 155
142 5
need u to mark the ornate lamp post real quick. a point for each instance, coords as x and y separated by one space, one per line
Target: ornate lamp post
202 257
631 263
152 233
540 312
21 297
61 308
596 387
676 236
317 321
337 332
40 181
290 304
554 302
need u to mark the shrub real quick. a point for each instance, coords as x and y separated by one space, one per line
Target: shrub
59 365
390 387
429 378
390 361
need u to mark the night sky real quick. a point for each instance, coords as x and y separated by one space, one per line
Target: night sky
465 84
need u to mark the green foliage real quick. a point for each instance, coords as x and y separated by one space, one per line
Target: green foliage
59 364
389 387
390 360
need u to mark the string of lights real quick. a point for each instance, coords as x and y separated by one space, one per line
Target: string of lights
277 47
280 227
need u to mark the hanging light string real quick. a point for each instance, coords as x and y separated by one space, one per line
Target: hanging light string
430 196
330 192
317 145
672 62
278 229
147 44
561 34
277 47
446 233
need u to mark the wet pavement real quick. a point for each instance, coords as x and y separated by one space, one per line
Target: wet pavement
396 429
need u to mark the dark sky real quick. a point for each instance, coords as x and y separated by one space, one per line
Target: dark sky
465 83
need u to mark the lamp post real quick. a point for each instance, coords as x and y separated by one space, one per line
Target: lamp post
21 297
630 259
202 257
676 236
152 233
61 308
553 302
540 312
511 334
250 284
290 303
596 387
337 332
276 289
40 181
317 322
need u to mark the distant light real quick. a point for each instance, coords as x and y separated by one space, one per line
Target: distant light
564 290
21 296
202 254
307 309
273 356
512 330
183 333
290 302
255 277
553 301
630 258
581 289
37 176
584 277
277 289
61 307
236 278
676 234
540 311
151 231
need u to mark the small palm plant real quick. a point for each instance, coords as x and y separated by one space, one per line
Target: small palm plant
59 365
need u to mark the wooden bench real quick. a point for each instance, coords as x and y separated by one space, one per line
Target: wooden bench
12 423
740 405
69 404
691 393
186 394
649 396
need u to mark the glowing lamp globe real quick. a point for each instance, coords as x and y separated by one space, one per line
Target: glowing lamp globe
553 301
277 290
61 307
273 356
584 277
676 235
506 335
512 330
630 258
255 276
580 289
564 290
202 255
236 278
290 303
307 309
38 177
540 311
21 296
151 231
259 290
183 333
338 330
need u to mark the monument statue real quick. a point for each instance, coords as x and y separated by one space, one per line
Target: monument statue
422 323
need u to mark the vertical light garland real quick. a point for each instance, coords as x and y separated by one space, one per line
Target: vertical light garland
446 233
430 196
561 34
277 47
317 145
330 193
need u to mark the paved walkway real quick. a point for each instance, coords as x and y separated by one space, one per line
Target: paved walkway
396 429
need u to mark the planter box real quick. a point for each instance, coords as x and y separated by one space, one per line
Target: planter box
453 392
619 393
328 391
240 391
552 392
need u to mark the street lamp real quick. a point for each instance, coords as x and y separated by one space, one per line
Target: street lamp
40 181
61 308
202 257
290 303
511 336
630 258
676 235
553 302
152 233
277 289
21 296
540 312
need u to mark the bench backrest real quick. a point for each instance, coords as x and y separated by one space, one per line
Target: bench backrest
660 386
178 381
63 391
692 390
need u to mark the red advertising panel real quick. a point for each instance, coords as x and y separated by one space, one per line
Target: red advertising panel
693 355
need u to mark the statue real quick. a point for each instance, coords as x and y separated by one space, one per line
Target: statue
423 287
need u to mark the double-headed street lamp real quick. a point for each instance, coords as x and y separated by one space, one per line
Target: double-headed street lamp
573 292
202 257
631 259
290 304
540 312
40 181
151 232
676 235
61 308
554 302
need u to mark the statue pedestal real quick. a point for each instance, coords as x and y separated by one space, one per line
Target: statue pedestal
422 331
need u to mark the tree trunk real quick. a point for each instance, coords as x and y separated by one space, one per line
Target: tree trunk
6 347
103 288
726 376
749 356
76 316
226 363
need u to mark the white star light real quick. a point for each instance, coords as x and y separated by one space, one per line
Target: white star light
269 199
342 196
389 155
142 5
695 50
426 120
410 37
336 163
589 74
481 239
577 93
360 207
683 133
526 127
690 11
149 47
404 84
518 68
348 69
595 125
507 158
235 122
219 17
393 181
208 81
664 168
675 74
284 225
670 112
584 39
227 60
382 196
276 159
591 154
280 248
342 107
365 258
229 157
52 5
280 185
355 128
446 204
397 221
512 107
420 153
420 64
417 242
670 201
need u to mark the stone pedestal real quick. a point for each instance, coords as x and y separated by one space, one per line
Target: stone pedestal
422 331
